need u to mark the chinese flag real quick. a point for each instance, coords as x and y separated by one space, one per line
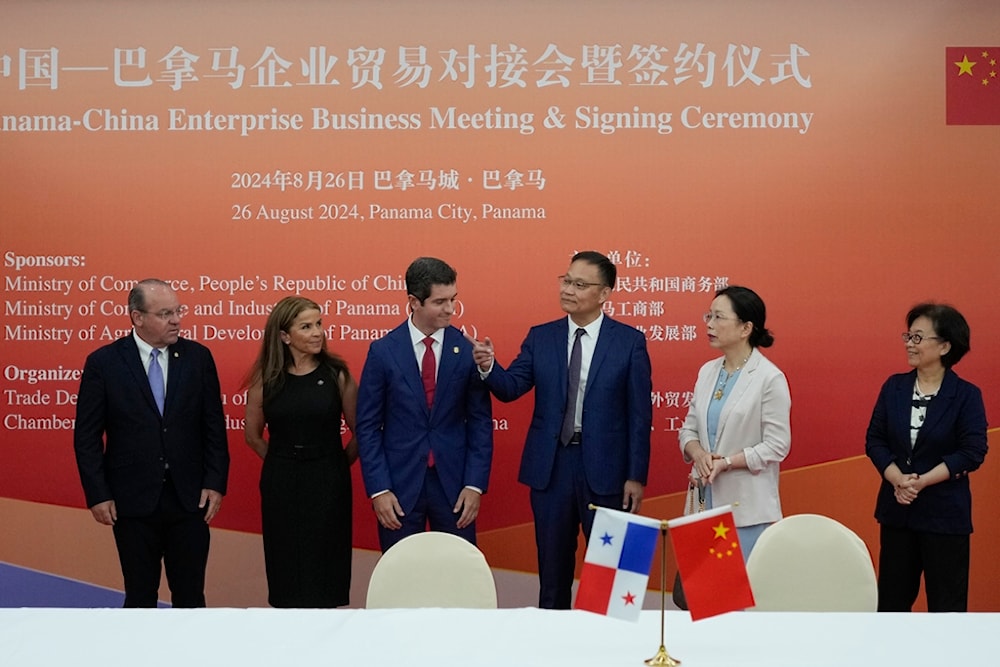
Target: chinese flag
972 85
710 562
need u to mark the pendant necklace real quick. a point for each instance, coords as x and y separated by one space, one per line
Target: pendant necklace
721 387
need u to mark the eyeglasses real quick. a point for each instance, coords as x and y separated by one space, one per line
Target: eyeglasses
916 339
578 285
708 317
178 312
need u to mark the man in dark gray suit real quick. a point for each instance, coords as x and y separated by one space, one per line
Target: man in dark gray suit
151 448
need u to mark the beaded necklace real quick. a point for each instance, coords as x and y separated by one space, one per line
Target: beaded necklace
720 388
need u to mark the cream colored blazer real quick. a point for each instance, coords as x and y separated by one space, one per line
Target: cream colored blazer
754 420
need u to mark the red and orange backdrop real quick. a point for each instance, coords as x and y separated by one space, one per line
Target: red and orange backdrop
837 158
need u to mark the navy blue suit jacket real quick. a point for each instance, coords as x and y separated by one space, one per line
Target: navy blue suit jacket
396 429
953 432
617 406
122 443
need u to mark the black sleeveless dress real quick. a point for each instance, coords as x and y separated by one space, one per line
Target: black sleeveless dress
305 494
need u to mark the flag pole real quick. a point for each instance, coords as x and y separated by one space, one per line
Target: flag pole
662 658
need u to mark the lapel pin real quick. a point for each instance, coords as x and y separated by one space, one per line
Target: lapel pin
176 355
454 350
319 382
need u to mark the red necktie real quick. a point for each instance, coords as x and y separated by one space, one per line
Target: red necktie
427 370
427 375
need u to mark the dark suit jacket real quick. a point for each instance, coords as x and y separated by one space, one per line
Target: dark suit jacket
617 406
953 432
396 429
121 441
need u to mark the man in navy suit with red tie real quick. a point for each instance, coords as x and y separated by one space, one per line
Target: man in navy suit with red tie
425 423
151 448
589 436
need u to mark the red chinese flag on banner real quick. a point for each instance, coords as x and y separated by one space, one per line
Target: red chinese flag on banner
710 562
972 85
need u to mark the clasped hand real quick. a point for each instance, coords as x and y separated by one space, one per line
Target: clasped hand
707 467
907 488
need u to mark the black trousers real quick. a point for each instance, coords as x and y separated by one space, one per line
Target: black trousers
171 535
942 559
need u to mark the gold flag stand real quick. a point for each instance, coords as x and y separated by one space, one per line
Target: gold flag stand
662 658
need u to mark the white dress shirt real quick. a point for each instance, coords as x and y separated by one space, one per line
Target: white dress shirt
588 343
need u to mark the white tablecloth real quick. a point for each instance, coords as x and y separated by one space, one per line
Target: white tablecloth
504 637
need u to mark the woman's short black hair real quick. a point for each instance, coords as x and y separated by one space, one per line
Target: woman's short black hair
949 325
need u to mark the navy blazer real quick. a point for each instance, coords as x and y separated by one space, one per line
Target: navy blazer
617 405
953 432
396 429
123 444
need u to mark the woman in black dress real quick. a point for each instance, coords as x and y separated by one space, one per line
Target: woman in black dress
301 392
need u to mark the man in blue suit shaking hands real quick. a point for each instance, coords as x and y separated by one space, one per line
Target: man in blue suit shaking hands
424 424
589 436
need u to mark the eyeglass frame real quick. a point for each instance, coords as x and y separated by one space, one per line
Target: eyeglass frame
577 284
710 316
165 315
916 338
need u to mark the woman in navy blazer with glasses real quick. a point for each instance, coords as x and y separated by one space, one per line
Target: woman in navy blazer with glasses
927 433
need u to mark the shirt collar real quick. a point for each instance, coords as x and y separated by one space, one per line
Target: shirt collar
417 336
592 329
144 348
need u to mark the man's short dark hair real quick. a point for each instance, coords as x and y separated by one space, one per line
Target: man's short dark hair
609 274
425 272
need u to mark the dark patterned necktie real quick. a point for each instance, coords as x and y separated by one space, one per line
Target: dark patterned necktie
572 389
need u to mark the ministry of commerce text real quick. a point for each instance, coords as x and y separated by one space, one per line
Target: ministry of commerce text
321 120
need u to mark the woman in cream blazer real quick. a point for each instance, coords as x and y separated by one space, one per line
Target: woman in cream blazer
737 430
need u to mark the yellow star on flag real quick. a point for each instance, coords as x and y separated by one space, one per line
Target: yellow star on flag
721 530
965 66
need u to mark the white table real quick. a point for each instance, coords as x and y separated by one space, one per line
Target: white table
473 638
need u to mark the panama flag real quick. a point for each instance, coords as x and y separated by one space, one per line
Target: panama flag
616 567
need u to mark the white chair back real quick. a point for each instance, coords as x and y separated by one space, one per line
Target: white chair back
808 562
432 569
